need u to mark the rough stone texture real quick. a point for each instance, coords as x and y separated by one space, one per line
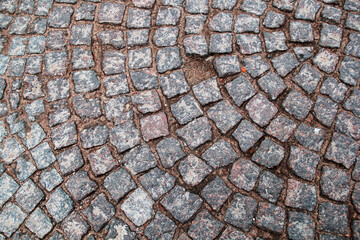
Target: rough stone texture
181 203
261 110
80 185
220 154
303 162
335 183
108 107
170 151
205 226
247 135
99 212
193 170
269 154
101 161
300 195
139 159
196 132
270 186
216 193
342 150
281 128
333 218
157 182
244 174
116 188
300 226
270 217
241 211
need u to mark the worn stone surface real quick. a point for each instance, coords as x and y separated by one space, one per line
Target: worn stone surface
119 118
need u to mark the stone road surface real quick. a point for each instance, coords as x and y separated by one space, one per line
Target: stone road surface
179 119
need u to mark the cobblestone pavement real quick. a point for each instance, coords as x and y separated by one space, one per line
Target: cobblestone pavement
179 119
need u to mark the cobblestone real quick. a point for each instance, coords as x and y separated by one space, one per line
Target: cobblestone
118 119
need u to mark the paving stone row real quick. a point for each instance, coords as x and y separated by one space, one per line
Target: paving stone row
179 119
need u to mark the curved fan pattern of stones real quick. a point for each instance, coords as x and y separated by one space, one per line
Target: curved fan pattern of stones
179 119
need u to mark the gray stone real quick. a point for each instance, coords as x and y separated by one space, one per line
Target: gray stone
224 115
303 162
285 63
326 60
10 150
119 229
24 168
168 16
85 81
352 48
330 30
13 216
167 36
270 186
43 155
275 41
64 135
301 32
241 211
113 62
94 136
55 63
145 79
70 160
310 137
205 226
181 203
272 84
269 154
99 212
80 185
58 89
8 187
118 189
353 103
281 128
307 9
333 218
111 13
325 110
16 67
249 43
194 24
74 226
227 65
29 195
113 38
86 11
197 6
124 136
39 223
303 53
301 195
60 16
186 109
87 108
247 135
220 43
170 151
139 159
342 150
193 170
196 44
118 110
261 110
274 20
82 58
196 132
255 65
349 70
168 58
244 174
256 7
50 178
297 104
335 183
270 217
19 25
161 227
352 21
138 207
101 161
246 23
59 204
300 226
307 78
221 22
140 58
138 18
